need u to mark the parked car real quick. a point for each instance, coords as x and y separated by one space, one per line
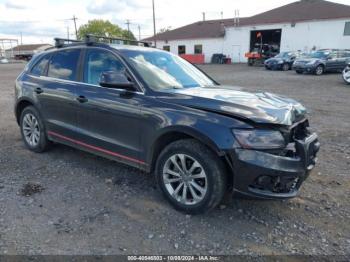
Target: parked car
282 61
346 74
155 111
4 60
321 61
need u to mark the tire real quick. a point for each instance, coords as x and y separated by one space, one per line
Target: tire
347 81
40 143
214 180
319 70
250 62
285 67
299 72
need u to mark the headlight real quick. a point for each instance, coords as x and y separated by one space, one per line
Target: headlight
311 63
259 139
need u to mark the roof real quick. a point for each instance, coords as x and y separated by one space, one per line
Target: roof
28 47
303 10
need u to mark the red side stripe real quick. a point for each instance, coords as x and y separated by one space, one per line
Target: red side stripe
96 148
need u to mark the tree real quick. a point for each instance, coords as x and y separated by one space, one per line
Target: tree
165 29
103 28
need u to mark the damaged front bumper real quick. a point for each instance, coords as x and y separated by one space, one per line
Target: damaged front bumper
265 175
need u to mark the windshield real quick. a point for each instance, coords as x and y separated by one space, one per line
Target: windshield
319 54
163 70
283 55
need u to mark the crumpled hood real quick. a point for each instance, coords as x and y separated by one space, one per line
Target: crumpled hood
258 107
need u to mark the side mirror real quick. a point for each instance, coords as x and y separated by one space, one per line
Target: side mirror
112 79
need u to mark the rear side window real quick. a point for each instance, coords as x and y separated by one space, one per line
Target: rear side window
39 68
97 62
63 64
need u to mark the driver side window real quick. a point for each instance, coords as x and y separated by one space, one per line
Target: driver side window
97 62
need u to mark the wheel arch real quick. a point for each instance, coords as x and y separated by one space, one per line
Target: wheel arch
20 105
173 134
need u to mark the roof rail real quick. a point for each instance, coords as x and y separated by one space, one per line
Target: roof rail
60 42
90 39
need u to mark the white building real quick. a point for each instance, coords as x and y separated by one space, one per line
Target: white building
302 25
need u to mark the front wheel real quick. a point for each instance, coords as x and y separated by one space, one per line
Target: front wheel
346 77
299 72
285 67
319 70
191 176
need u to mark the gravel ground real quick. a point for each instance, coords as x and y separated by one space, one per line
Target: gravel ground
70 202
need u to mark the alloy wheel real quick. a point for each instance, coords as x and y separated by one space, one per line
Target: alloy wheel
319 70
185 179
31 129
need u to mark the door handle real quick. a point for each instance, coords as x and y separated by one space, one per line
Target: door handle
38 90
82 99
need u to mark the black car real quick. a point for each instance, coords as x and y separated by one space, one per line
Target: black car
282 61
153 110
321 61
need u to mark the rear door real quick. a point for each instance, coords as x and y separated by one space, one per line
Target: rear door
57 96
108 119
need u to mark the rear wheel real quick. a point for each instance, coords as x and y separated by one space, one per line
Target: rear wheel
191 176
319 70
33 130
299 71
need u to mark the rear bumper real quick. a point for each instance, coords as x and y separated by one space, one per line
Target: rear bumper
263 175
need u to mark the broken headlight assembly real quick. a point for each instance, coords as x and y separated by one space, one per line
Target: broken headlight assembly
259 138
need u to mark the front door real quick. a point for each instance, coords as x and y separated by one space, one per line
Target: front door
108 118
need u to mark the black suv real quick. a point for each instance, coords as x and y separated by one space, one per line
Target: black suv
324 60
153 110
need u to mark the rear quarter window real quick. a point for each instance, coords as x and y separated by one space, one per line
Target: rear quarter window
63 64
39 68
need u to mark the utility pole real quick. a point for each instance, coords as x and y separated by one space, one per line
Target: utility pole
222 15
128 24
139 27
75 26
68 32
203 13
21 39
154 25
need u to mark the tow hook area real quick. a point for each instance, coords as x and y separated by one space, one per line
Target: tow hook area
276 184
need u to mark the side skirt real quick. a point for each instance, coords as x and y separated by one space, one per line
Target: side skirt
98 151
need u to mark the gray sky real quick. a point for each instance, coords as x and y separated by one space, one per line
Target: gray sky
41 20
